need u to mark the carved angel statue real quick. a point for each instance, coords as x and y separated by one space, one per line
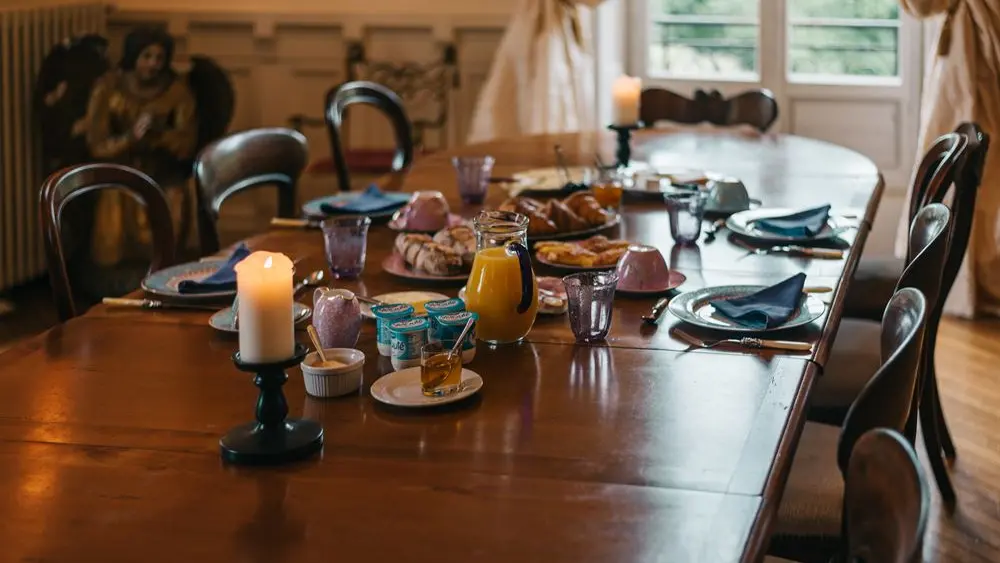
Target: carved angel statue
142 114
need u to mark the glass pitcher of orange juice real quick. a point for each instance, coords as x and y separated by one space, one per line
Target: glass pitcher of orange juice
502 288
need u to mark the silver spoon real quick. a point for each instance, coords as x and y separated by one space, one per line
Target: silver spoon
461 338
311 280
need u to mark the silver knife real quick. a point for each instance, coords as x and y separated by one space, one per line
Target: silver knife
155 304
654 315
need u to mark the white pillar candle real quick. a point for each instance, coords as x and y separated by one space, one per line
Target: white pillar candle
264 287
625 100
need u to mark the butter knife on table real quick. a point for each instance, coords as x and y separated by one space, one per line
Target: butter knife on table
654 315
155 304
294 223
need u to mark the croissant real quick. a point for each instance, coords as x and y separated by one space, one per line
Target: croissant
539 222
409 245
587 208
564 218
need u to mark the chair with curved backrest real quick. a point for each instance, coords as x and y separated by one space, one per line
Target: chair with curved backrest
757 108
66 185
249 159
370 93
886 500
810 516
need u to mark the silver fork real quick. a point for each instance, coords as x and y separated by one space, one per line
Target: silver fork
745 342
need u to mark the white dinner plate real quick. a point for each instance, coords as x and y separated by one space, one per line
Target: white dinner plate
223 319
408 297
743 224
695 307
402 389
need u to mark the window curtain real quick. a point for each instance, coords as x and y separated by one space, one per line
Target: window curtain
962 83
543 76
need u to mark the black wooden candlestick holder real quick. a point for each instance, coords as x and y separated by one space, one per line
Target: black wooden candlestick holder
273 438
624 152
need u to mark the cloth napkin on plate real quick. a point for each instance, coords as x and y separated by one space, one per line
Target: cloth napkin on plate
805 223
223 279
767 308
372 199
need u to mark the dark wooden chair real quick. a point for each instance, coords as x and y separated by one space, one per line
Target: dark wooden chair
64 186
810 518
361 92
245 160
757 108
887 501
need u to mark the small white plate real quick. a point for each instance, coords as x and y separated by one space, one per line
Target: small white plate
409 297
223 319
402 389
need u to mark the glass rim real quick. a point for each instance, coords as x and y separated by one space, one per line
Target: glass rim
484 159
345 221
439 346
592 279
496 221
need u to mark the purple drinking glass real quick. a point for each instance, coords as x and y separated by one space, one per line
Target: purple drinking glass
473 174
590 298
346 242
686 210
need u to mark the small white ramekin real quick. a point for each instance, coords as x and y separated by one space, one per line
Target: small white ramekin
333 382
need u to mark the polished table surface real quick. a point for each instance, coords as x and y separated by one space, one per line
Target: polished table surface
636 450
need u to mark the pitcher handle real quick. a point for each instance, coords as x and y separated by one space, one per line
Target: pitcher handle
527 275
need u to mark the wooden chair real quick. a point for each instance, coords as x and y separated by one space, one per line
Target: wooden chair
245 160
66 185
757 108
886 501
361 92
810 516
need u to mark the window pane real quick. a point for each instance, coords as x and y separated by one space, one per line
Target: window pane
704 49
747 8
843 37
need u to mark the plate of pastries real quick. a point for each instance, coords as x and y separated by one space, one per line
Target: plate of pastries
446 256
595 253
575 216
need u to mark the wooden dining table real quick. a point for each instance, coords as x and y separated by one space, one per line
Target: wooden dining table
636 449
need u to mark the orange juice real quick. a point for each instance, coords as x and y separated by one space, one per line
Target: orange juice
494 292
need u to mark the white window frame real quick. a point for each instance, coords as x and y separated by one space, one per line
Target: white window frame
773 74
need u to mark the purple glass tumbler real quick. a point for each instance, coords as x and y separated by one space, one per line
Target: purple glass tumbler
686 210
346 242
473 174
591 295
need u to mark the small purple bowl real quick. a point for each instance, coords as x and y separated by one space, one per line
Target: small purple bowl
642 268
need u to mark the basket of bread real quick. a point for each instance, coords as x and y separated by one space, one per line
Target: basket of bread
595 253
575 216
446 256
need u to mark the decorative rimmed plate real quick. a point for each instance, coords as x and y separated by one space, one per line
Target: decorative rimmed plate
674 281
538 181
693 307
453 221
395 265
223 320
402 389
742 224
409 297
613 221
164 283
314 209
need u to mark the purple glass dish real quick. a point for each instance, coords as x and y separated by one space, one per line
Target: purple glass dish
686 210
473 174
346 242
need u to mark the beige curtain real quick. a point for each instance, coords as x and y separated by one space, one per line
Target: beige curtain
542 79
962 83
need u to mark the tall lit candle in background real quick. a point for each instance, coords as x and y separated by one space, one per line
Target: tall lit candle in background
625 100
264 287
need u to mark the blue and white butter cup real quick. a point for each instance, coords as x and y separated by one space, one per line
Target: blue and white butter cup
437 308
408 337
450 327
384 316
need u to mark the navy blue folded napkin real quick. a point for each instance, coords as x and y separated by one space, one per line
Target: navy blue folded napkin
372 199
806 223
767 308
224 279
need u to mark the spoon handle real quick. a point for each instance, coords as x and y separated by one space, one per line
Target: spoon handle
461 338
315 340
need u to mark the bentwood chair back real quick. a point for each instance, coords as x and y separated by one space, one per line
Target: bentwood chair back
886 400
245 160
64 186
756 108
382 98
886 500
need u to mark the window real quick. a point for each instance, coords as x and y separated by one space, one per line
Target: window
824 39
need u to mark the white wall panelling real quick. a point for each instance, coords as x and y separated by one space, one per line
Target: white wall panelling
284 63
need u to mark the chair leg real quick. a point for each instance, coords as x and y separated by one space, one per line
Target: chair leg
947 444
932 443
